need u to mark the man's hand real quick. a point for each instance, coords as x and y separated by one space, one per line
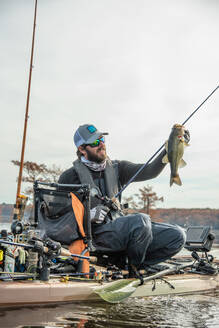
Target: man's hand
98 214
187 136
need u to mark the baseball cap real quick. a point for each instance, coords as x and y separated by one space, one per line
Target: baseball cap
86 134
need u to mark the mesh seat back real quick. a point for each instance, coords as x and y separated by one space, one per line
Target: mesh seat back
55 206
56 217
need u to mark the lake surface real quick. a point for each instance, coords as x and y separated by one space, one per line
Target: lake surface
166 312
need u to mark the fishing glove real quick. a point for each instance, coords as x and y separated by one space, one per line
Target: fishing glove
187 136
98 214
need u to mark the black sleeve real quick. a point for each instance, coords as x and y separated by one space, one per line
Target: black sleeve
152 170
69 177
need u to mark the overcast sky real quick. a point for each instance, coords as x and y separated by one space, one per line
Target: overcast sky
130 67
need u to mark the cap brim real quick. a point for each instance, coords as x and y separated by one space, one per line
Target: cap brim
95 137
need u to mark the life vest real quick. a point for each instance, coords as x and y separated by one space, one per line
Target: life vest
111 180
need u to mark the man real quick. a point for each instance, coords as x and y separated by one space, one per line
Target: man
142 241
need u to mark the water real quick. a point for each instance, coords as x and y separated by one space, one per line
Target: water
155 312
5 226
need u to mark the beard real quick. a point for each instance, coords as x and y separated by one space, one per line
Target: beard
98 157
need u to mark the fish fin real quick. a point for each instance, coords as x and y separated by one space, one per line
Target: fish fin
182 163
165 159
175 180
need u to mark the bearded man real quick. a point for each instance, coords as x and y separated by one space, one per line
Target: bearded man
143 242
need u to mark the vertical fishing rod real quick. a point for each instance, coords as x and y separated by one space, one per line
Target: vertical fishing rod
17 206
150 159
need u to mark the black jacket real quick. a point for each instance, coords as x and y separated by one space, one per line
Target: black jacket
126 170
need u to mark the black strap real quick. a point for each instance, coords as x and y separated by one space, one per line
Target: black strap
116 167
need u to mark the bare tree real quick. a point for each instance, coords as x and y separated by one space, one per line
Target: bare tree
148 198
34 171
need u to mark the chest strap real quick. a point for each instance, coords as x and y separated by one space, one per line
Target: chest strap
110 177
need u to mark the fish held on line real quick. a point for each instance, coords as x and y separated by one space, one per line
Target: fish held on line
175 149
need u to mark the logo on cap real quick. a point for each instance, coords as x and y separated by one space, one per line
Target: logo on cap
91 128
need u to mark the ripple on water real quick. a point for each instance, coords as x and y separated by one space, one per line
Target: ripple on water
155 312
197 312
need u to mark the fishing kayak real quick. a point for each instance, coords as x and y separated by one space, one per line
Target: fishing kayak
180 276
32 292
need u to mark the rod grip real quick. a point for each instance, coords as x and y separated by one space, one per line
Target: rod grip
65 252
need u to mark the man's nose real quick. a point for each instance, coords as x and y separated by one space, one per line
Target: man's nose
101 144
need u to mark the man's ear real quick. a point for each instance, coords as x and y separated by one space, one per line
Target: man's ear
82 150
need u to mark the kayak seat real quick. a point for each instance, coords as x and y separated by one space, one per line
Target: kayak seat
60 214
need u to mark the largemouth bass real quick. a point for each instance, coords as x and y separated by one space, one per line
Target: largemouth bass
175 150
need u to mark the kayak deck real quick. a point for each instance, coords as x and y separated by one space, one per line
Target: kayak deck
17 293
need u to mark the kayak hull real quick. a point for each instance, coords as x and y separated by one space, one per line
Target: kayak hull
17 293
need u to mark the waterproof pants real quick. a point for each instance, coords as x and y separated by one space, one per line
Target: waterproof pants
143 241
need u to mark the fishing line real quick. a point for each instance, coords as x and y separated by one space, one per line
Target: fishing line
150 159
200 105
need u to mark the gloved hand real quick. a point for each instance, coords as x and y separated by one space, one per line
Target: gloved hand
98 214
187 136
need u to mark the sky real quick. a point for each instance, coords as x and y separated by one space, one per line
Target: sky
131 68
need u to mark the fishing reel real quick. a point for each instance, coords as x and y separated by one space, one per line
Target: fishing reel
45 246
17 227
47 250
110 203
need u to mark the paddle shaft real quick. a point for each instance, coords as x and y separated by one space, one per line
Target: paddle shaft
166 272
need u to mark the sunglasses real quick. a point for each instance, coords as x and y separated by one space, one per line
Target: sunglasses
96 142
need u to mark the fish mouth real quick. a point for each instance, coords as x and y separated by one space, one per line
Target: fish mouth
177 125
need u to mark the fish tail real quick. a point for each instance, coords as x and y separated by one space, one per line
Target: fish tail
176 179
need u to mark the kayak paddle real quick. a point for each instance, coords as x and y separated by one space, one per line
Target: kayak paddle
122 289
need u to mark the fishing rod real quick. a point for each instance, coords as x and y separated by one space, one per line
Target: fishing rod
150 159
39 246
18 196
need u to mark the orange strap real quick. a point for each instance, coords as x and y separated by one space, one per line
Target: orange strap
78 208
78 246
